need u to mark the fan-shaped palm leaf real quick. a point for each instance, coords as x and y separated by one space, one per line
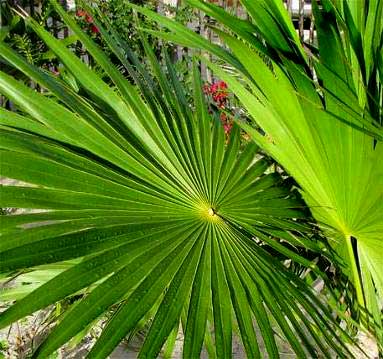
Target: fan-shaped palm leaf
163 215
322 125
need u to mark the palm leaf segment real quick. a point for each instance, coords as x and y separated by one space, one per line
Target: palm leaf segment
323 127
157 213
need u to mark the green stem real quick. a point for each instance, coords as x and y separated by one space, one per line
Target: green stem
355 272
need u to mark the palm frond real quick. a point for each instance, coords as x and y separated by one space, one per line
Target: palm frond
323 125
159 213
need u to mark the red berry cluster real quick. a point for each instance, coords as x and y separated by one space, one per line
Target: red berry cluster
219 95
88 19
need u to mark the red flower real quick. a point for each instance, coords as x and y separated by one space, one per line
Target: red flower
227 127
222 85
94 29
88 18
219 96
80 13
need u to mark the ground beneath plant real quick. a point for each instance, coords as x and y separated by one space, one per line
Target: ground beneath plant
18 341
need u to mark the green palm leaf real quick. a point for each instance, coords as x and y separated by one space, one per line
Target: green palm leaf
159 215
322 125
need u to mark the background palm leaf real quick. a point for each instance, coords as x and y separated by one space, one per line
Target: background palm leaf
165 219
